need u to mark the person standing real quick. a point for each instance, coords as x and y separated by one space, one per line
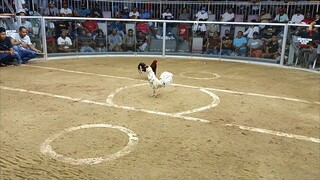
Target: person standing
22 44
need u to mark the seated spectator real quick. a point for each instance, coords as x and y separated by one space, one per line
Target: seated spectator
85 42
91 26
307 51
114 41
227 44
96 11
168 16
25 23
200 28
240 44
7 54
144 27
307 19
281 17
184 15
65 11
129 41
268 32
134 14
297 18
272 49
22 44
100 41
255 46
142 41
82 12
146 15
183 32
51 10
264 18
64 42
227 16
202 15
60 26
119 26
124 14
213 43
249 32
20 6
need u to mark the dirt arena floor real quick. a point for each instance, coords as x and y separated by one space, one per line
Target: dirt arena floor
94 118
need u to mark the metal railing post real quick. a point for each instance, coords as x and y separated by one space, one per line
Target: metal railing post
284 43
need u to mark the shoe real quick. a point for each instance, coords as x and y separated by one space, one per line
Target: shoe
3 65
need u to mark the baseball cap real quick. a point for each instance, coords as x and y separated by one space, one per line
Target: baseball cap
125 8
256 33
203 8
263 9
51 2
281 10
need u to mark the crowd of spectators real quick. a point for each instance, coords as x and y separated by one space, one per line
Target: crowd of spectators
258 41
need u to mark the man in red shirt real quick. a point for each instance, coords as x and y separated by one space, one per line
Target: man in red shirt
91 26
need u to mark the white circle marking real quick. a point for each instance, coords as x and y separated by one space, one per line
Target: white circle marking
202 78
46 148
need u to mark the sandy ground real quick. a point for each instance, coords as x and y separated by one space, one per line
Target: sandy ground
38 101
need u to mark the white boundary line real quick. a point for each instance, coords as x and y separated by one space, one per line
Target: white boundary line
46 148
216 76
265 131
195 87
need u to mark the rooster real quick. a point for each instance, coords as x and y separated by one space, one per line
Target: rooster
166 78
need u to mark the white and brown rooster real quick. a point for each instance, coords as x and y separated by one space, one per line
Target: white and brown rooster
165 79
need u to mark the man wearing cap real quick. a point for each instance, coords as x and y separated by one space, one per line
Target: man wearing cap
281 17
125 13
51 10
202 14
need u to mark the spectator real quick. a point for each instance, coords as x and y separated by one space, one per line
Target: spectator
254 28
6 49
118 26
91 26
22 44
20 6
200 28
125 13
202 15
281 17
267 33
134 14
129 41
272 49
264 18
213 43
96 11
297 18
307 19
60 26
25 23
114 41
184 15
51 10
168 16
82 12
142 41
183 32
227 44
65 11
146 15
64 42
255 46
240 45
100 41
85 42
3 23
228 16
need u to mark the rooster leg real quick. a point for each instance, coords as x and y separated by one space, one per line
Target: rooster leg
154 93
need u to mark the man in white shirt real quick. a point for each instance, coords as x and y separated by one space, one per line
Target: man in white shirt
168 16
202 14
228 16
64 42
22 44
297 18
134 14
20 5
65 11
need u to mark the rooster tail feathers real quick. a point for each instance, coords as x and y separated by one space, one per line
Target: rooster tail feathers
154 66
166 78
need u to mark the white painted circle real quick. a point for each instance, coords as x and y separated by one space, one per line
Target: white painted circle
215 101
215 75
46 148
